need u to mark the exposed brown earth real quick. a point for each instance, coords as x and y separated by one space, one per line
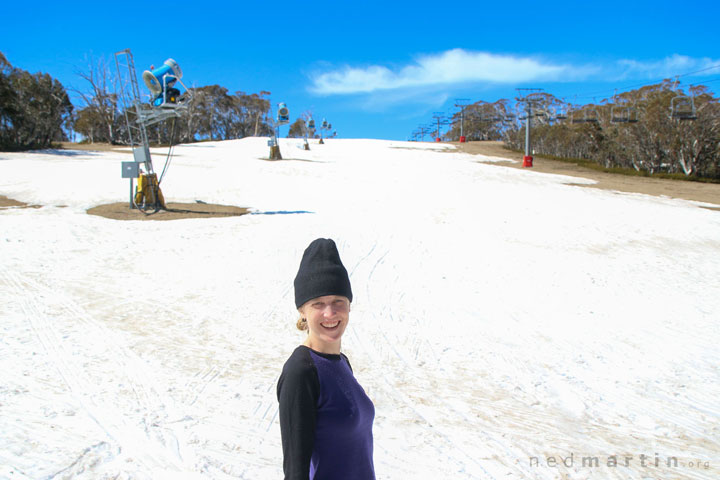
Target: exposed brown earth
6 202
175 211
697 191
93 147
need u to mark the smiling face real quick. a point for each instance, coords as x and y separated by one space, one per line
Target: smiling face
327 317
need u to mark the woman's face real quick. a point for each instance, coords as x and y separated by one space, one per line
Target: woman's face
327 317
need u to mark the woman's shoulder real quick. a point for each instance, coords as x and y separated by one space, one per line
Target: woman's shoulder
299 373
300 362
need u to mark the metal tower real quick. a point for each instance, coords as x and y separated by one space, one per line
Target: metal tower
131 103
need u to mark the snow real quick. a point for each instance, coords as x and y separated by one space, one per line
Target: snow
500 315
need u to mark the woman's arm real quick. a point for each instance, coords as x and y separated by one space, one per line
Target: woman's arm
297 391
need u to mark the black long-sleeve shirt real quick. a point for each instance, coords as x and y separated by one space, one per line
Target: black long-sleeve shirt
325 419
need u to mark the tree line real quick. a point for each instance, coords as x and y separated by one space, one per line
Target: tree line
35 110
656 128
211 113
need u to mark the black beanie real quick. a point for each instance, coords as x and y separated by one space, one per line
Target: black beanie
321 273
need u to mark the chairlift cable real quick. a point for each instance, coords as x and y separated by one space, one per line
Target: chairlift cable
699 71
590 95
703 83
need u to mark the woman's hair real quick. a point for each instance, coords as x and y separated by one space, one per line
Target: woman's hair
301 323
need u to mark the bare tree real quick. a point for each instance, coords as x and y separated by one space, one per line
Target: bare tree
100 101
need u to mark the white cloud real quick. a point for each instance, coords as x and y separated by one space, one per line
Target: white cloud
455 66
665 68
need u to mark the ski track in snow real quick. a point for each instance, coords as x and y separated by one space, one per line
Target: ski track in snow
499 315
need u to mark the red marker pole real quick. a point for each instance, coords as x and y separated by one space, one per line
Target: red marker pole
527 159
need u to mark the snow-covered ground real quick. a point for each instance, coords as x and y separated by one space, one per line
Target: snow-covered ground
506 324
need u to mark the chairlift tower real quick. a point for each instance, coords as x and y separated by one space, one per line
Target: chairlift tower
528 100
441 120
461 103
424 129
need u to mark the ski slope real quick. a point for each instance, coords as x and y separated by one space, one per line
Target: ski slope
502 318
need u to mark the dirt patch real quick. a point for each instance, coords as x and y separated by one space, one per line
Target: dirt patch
175 211
94 147
6 202
289 160
696 191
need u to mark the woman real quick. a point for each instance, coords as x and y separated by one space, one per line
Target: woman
325 416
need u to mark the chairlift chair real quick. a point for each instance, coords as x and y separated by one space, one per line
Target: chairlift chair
559 113
585 115
682 107
623 114
560 110
491 118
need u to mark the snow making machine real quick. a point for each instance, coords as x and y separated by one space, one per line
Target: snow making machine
309 130
166 102
283 118
161 83
323 126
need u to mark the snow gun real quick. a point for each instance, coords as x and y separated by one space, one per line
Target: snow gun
161 81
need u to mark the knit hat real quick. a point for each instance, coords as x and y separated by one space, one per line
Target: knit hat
321 273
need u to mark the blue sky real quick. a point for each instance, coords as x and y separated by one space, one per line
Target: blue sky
378 69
